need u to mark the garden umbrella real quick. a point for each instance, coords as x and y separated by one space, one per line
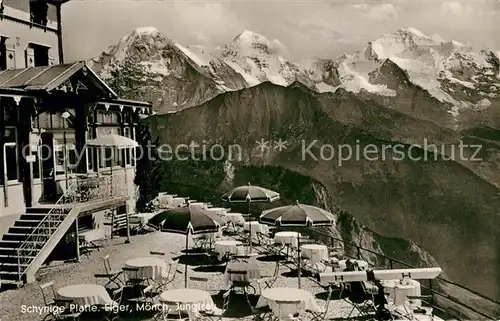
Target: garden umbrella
250 194
297 215
186 220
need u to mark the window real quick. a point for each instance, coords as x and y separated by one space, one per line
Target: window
37 55
34 151
10 111
128 151
38 12
108 156
3 53
11 158
49 120
107 117
65 157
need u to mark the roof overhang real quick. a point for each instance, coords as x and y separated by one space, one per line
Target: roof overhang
53 78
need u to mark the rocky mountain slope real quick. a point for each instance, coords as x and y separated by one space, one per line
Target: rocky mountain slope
442 205
160 70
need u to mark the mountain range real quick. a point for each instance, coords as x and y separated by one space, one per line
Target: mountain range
463 81
403 88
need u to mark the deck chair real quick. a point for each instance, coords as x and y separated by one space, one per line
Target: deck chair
112 275
321 315
360 299
51 300
169 277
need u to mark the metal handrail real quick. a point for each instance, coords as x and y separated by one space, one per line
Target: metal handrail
81 191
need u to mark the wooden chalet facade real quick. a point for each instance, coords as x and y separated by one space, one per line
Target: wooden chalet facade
47 115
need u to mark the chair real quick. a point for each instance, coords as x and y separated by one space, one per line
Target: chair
242 282
268 281
132 276
169 277
360 299
59 309
218 313
146 296
113 276
108 313
289 317
321 315
259 313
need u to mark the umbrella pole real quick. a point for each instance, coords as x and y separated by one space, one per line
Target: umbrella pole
185 265
298 256
250 226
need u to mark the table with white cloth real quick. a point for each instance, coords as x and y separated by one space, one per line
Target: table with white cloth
220 211
88 239
245 271
286 238
272 295
363 265
148 267
399 290
141 218
189 301
256 227
178 201
231 247
314 252
86 295
234 218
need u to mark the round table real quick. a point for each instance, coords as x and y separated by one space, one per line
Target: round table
86 295
286 238
187 300
363 265
227 246
272 296
399 290
256 227
149 267
314 252
234 218
248 271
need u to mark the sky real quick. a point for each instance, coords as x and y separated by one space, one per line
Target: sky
306 28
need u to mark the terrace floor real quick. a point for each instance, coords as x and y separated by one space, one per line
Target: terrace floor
14 303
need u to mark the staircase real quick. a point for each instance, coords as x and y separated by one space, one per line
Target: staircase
10 271
33 237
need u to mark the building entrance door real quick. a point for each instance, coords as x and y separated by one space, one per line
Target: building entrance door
48 167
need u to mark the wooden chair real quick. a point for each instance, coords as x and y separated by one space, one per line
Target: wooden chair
59 309
112 275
